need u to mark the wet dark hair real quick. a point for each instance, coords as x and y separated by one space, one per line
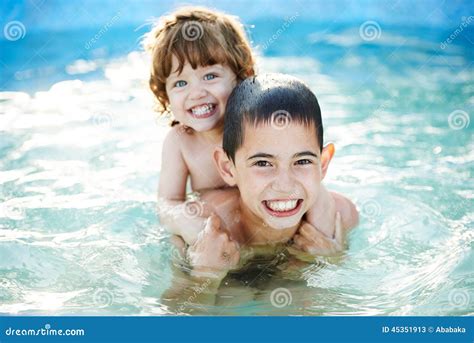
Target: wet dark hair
269 99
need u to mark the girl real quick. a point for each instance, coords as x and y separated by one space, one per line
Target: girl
198 57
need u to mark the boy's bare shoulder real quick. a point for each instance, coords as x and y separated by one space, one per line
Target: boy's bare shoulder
347 209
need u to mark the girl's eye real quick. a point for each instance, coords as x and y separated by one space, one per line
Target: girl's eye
209 77
262 164
305 161
180 83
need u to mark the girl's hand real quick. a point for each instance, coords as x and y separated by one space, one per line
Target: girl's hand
310 240
214 252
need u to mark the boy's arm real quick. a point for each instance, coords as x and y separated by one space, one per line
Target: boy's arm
176 216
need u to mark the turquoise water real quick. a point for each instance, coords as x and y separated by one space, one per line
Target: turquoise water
80 163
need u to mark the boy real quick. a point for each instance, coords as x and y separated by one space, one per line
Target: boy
273 152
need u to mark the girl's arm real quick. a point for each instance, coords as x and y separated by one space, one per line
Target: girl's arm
177 216
188 292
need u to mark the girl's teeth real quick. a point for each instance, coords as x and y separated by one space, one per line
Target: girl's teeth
201 110
282 206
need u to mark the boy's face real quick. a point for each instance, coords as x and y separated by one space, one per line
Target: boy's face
278 172
198 96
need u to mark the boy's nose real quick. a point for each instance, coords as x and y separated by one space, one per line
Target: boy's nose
284 182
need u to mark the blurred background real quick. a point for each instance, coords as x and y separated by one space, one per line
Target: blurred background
52 37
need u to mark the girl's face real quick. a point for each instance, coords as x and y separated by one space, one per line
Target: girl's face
198 96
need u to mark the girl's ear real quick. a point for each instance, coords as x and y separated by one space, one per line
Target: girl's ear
326 157
225 166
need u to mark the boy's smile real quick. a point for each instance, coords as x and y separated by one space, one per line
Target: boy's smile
198 96
278 172
282 207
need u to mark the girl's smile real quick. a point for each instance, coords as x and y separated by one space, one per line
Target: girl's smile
198 97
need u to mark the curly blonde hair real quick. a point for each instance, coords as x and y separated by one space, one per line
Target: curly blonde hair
201 37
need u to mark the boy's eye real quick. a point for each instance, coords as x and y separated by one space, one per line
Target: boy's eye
180 83
208 77
262 164
304 161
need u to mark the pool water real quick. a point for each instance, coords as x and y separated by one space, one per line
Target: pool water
80 163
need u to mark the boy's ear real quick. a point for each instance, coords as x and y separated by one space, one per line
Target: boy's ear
225 166
326 157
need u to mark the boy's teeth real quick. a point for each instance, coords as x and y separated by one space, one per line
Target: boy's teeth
201 110
282 206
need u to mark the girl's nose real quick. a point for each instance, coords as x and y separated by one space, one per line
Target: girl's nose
197 91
